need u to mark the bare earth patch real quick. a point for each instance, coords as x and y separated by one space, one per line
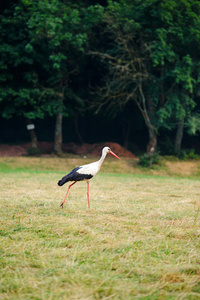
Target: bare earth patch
7 150
84 149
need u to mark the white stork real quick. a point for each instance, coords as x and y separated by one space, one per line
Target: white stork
85 172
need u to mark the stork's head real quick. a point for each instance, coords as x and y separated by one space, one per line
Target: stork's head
108 150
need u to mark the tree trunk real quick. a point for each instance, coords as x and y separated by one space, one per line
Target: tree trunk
58 134
148 115
31 129
151 147
179 136
58 126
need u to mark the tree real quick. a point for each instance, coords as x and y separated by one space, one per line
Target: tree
18 80
43 46
152 60
59 30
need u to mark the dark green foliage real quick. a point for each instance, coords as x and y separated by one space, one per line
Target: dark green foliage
34 151
19 91
42 52
152 60
187 154
148 160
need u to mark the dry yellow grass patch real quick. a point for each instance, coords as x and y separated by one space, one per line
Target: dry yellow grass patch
183 168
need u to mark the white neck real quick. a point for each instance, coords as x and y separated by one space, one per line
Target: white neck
101 160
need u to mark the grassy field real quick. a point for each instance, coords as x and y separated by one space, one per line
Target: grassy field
140 240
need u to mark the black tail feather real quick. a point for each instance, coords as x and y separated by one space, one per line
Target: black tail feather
63 180
69 177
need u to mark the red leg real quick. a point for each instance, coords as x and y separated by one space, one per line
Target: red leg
62 204
88 194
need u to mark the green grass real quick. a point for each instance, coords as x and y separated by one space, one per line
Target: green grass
140 240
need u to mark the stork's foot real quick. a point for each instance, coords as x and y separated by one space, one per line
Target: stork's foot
62 205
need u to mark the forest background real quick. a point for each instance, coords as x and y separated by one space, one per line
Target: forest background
94 71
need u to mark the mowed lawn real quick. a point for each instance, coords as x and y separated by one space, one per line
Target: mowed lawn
140 239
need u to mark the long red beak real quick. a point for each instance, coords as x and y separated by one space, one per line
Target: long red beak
112 153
